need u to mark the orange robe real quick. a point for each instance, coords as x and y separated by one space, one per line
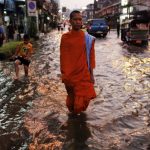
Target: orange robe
74 69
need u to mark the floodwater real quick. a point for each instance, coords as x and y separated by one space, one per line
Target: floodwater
33 114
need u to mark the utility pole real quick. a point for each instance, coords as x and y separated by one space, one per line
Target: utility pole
95 8
2 11
25 19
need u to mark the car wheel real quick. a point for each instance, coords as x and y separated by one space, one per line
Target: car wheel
145 43
104 35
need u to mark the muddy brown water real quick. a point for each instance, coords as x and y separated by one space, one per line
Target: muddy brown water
33 114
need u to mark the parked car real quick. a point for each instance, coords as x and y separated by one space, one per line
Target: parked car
97 27
135 31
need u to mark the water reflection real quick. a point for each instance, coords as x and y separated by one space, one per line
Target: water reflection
119 118
77 133
13 106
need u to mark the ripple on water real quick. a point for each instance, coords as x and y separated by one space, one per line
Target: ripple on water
117 119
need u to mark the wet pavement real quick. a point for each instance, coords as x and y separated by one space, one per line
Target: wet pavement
33 114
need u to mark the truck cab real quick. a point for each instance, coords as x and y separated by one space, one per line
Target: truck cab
97 27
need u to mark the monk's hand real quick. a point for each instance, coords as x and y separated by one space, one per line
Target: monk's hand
92 79
67 82
92 76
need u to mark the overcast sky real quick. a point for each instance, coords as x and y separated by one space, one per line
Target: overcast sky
73 4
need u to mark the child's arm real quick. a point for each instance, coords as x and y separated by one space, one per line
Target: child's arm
17 50
29 52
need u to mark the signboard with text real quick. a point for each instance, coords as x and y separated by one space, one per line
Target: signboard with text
31 8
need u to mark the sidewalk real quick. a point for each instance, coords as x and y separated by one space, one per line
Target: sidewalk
9 47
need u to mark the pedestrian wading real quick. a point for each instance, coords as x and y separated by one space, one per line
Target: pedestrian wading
77 61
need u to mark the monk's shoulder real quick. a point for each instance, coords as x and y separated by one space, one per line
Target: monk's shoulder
66 35
82 32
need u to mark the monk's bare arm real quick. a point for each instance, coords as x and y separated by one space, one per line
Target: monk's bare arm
63 59
62 47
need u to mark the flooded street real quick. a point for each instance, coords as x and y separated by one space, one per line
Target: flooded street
33 114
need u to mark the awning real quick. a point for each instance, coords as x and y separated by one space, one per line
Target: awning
1 1
20 2
142 15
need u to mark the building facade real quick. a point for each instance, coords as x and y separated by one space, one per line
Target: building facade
109 9
90 11
135 9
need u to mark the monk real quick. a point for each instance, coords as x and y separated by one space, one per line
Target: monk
76 65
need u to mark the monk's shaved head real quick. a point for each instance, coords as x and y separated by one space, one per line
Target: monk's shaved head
76 20
73 13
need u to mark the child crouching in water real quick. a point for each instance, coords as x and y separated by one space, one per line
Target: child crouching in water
23 56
